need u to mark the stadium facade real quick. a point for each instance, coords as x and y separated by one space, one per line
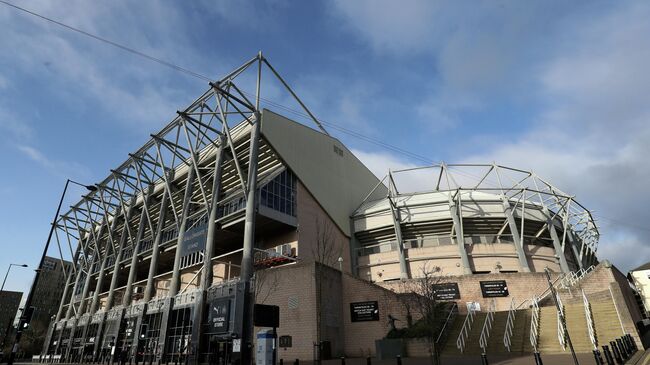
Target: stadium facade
178 242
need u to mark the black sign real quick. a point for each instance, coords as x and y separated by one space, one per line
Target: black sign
219 315
495 288
364 311
194 240
446 291
284 341
266 315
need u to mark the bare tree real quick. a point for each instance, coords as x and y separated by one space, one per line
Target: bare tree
419 295
266 282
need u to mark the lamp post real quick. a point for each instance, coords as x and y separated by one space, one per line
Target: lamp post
24 318
7 274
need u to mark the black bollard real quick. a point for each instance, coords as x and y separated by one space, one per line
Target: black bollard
608 355
281 362
598 358
484 360
297 362
628 348
622 348
538 358
399 360
632 342
342 360
368 361
617 354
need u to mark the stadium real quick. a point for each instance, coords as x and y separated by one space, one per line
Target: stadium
232 204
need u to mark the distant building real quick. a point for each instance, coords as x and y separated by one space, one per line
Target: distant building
9 301
641 279
45 301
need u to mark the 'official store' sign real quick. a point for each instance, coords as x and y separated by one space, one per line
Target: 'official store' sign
219 315
364 311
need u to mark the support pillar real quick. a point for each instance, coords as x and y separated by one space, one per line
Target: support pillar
519 245
246 330
187 197
557 245
155 251
456 216
118 257
126 300
102 271
574 248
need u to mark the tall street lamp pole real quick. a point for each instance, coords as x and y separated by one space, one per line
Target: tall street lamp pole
24 318
7 274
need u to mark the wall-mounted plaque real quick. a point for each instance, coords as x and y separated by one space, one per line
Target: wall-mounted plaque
446 291
364 311
494 288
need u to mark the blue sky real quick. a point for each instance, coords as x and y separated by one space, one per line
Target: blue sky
558 87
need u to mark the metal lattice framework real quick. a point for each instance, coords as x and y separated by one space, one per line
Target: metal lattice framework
518 189
178 164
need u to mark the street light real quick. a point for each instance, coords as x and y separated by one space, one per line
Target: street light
28 303
7 274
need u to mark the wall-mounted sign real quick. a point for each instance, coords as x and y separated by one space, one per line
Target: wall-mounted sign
266 315
219 315
284 341
446 291
194 240
494 288
364 311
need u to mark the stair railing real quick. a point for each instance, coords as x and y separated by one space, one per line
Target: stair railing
487 326
561 326
464 331
574 277
534 324
541 296
451 317
510 323
590 321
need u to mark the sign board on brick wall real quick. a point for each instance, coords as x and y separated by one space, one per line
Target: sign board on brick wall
364 311
446 291
494 288
285 341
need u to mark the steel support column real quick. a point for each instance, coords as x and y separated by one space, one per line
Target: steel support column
102 270
460 236
519 244
395 215
574 248
126 300
187 198
118 257
246 331
155 251
557 244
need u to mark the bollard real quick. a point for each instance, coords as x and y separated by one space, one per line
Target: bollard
622 348
484 360
598 358
632 343
368 361
538 358
281 362
608 355
342 360
628 348
297 362
399 360
617 354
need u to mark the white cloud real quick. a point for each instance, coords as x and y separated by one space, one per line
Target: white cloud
63 169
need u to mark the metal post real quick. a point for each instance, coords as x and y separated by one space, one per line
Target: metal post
608 355
538 358
126 300
155 252
460 239
66 288
187 197
617 353
519 244
118 257
214 210
403 266
557 245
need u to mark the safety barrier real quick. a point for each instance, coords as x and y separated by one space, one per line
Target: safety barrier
510 322
451 317
464 331
574 277
561 326
534 324
487 327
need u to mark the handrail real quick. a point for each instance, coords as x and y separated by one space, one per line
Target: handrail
487 327
545 293
618 314
534 324
563 281
561 330
510 322
453 312
590 321
464 331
